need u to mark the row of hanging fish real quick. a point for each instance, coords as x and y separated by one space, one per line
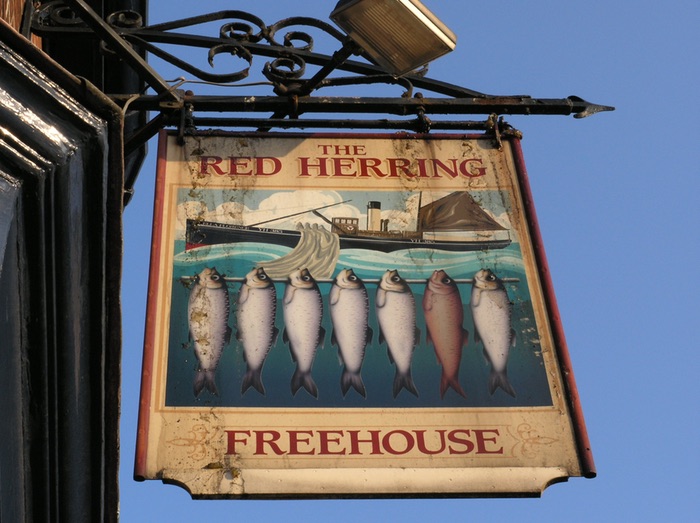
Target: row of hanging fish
302 307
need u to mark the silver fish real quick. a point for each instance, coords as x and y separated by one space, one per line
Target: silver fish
349 305
492 312
303 312
396 313
207 315
442 306
257 304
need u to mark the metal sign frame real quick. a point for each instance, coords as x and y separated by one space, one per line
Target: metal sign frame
416 259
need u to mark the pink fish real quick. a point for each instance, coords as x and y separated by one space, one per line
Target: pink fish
442 307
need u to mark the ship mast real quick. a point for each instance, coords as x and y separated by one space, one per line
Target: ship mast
418 222
302 212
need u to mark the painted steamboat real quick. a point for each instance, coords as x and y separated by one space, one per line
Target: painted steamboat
452 223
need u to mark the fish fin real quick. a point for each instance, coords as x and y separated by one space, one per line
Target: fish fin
369 334
243 295
334 296
428 337
381 298
512 337
285 337
382 339
416 337
404 381
476 298
446 383
275 333
500 379
465 337
437 358
304 379
289 294
227 335
198 385
291 351
427 303
391 358
487 358
477 338
253 378
204 379
334 340
354 380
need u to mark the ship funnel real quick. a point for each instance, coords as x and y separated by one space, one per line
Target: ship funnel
374 216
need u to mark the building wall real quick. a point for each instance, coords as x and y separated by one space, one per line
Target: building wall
11 11
61 192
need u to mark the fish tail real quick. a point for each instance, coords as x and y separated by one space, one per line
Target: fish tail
404 381
303 379
447 382
253 378
204 379
500 379
354 380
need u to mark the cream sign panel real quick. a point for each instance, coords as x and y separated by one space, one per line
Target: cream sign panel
349 316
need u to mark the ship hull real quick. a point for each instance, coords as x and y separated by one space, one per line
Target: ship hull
200 234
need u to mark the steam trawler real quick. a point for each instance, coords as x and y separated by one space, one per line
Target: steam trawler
452 223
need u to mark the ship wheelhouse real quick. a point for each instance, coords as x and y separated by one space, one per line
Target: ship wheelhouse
347 226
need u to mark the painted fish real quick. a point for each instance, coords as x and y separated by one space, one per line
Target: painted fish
442 306
349 305
207 315
303 312
396 313
492 312
257 304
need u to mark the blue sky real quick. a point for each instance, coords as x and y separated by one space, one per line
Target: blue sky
616 198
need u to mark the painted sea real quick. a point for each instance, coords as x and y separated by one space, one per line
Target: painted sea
525 368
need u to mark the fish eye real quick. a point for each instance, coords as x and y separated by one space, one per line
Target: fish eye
491 277
215 277
306 277
396 279
352 277
262 276
447 280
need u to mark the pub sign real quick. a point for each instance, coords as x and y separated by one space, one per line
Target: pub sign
352 315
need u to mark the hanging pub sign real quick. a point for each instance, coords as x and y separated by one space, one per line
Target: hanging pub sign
352 315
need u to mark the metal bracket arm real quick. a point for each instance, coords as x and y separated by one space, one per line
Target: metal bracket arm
521 105
126 52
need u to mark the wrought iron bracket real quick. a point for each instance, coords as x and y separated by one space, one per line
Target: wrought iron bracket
288 46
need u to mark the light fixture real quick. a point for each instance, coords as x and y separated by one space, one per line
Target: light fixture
399 35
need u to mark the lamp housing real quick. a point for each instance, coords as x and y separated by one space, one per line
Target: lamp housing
399 35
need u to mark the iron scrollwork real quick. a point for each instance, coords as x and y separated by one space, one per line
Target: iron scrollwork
289 49
288 43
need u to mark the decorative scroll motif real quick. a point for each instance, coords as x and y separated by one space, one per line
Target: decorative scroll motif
288 44
198 442
531 444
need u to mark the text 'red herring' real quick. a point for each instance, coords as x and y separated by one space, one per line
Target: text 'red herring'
346 161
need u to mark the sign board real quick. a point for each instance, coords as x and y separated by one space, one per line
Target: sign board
355 315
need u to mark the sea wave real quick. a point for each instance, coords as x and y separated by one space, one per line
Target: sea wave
238 258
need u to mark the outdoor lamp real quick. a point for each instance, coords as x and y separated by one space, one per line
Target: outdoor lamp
399 35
